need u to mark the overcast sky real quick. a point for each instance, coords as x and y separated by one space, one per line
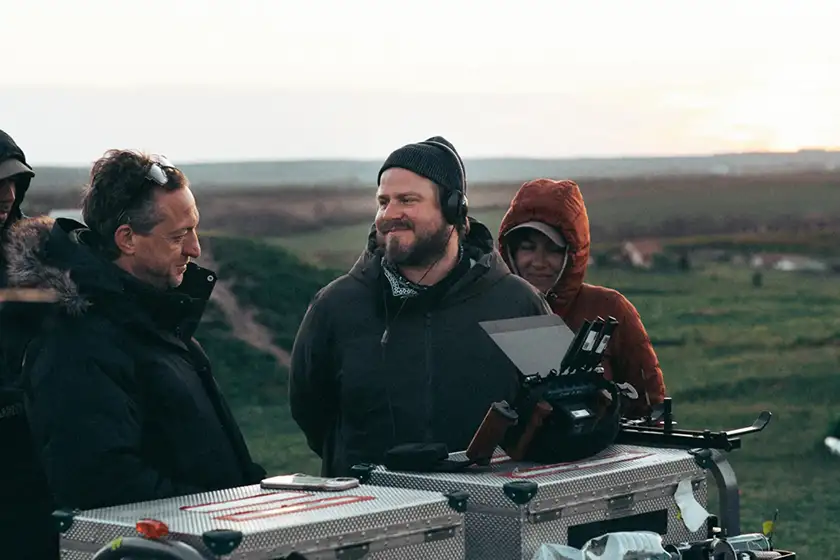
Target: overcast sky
219 80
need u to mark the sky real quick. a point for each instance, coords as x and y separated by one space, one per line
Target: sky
216 80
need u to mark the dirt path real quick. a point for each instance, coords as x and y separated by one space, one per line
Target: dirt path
241 319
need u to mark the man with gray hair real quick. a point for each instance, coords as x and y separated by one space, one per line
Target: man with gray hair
120 396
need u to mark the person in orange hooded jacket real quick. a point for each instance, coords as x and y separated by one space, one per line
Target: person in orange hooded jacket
544 238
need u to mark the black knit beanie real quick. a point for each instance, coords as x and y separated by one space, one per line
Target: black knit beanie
429 161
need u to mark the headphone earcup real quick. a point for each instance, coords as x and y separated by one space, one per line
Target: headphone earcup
455 209
464 208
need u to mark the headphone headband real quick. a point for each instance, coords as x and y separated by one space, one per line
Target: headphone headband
463 175
455 205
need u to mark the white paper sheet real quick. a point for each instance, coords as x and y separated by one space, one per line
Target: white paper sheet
693 514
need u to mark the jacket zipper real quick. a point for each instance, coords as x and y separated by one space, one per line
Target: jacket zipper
203 370
430 404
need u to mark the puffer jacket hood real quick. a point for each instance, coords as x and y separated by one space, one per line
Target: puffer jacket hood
630 360
10 150
558 204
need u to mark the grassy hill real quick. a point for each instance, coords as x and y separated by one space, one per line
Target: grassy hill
734 350
279 286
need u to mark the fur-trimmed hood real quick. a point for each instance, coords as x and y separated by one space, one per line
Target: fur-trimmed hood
61 255
29 264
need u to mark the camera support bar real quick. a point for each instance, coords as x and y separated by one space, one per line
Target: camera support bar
645 432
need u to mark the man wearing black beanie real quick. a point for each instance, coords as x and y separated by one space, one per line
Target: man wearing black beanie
392 352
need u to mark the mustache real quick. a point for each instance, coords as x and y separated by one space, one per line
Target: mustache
394 225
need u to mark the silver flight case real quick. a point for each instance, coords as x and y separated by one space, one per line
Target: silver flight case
249 522
513 508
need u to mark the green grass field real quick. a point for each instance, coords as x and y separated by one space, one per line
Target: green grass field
744 349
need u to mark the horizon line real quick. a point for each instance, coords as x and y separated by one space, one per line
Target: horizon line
596 157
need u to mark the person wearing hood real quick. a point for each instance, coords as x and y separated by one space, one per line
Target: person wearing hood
392 352
25 503
15 176
120 397
544 238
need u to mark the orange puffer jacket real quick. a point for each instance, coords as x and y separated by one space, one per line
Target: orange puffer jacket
629 357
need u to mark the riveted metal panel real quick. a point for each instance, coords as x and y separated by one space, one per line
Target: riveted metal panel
365 522
620 482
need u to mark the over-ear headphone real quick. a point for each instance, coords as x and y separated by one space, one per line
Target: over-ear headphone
456 206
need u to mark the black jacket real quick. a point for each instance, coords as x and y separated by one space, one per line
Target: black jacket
25 505
10 150
120 398
431 381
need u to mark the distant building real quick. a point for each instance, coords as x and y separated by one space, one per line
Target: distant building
788 263
640 253
72 213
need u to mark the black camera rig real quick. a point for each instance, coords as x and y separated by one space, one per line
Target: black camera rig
658 430
570 410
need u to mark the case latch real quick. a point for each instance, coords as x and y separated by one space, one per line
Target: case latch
620 506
